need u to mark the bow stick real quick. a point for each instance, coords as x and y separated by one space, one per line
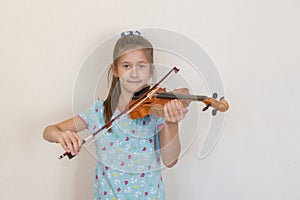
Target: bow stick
109 124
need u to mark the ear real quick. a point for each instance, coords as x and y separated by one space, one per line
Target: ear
114 70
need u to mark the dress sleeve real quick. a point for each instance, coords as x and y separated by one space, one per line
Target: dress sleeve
93 116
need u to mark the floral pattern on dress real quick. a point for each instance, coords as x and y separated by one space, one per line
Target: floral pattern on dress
128 166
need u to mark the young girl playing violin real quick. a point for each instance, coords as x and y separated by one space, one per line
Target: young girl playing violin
129 153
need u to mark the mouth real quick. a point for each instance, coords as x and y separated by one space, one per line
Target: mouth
135 82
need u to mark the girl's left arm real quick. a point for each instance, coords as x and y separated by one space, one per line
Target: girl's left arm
168 136
169 144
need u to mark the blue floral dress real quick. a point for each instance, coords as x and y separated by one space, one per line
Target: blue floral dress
128 158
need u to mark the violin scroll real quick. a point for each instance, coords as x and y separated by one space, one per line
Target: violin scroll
221 105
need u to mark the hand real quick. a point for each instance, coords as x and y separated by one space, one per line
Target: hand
70 141
174 111
183 91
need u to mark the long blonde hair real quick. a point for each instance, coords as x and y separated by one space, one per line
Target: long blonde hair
125 43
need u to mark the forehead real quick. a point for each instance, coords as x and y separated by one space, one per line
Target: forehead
136 55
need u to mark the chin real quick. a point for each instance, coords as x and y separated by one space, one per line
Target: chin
135 88
141 86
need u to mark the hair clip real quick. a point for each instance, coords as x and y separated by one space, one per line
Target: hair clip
131 33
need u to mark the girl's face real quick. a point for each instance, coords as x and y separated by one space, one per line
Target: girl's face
133 70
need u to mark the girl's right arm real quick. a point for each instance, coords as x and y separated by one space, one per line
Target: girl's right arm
65 133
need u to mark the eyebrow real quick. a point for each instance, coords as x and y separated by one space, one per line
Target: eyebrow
142 61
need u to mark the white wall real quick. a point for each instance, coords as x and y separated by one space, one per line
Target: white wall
254 44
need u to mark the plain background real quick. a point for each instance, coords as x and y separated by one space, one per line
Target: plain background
254 45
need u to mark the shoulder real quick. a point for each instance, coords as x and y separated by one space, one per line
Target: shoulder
93 116
99 104
97 107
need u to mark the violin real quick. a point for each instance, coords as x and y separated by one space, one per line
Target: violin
150 100
154 104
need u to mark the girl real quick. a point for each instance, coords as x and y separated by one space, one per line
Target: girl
128 160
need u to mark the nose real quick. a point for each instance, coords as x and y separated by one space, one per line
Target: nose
134 72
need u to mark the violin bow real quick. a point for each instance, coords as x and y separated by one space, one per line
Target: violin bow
109 124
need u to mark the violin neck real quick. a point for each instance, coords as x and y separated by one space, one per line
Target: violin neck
188 97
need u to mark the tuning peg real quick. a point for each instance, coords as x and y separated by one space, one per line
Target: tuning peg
205 108
215 95
214 112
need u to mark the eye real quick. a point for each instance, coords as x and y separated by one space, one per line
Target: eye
142 66
126 66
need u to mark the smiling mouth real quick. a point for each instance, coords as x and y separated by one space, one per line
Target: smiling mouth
134 81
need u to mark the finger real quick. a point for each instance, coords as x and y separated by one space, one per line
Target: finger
79 140
179 110
176 109
181 90
70 147
170 111
63 144
167 116
173 111
185 110
68 138
74 144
